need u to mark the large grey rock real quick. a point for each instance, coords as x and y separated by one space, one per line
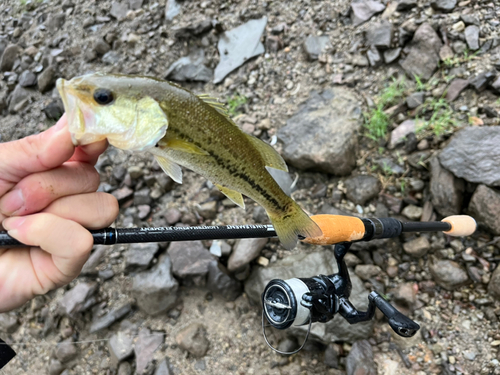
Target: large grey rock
484 206
27 79
473 154
360 359
363 10
446 189
121 346
444 5
244 252
380 35
140 255
448 274
322 134
77 299
316 45
193 338
306 265
47 79
423 58
145 346
9 56
472 37
238 45
190 68
190 259
156 290
494 284
19 99
360 189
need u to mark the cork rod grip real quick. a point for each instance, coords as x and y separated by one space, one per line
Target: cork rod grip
337 229
461 225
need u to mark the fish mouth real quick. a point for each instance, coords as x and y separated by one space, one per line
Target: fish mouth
71 109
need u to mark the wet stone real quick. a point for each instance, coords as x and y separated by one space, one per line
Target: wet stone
363 10
472 37
444 5
245 250
110 318
360 359
455 88
193 339
315 46
156 290
448 274
417 247
145 346
140 255
361 189
121 346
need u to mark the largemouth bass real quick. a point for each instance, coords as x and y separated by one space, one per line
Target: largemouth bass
182 129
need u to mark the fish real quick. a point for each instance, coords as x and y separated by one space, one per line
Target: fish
146 114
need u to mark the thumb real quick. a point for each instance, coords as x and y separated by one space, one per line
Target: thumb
33 154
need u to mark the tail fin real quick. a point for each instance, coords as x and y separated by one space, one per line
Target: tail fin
293 223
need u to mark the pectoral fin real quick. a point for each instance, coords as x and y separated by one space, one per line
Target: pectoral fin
169 167
233 195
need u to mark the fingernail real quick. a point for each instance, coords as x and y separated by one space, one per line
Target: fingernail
12 202
13 223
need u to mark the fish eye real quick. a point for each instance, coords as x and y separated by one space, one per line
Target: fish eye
103 96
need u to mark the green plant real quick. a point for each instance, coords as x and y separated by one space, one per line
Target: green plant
234 102
376 120
418 81
441 120
402 185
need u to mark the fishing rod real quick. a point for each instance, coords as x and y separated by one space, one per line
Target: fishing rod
336 229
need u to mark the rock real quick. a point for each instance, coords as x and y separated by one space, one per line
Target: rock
142 197
66 351
444 5
473 154
418 247
305 265
56 21
446 190
9 57
485 208
124 369
47 79
110 318
455 88
391 55
143 211
245 250
190 68
118 10
123 194
190 259
94 260
423 58
238 45
135 4
415 99
446 53
363 10
101 47
390 166
361 189
447 273
121 346
374 57
380 35
360 359
402 131
54 110
19 99
208 210
56 367
156 290
360 60
218 281
405 5
321 135
483 80
316 45
406 295
172 9
367 271
193 338
27 79
140 255
289 344
470 19
412 212
8 323
494 284
172 215
164 368
145 346
76 300
194 30
332 356
472 37
459 47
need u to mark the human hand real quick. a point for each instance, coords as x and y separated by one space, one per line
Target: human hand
47 199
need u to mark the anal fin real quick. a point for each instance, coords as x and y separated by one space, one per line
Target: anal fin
233 195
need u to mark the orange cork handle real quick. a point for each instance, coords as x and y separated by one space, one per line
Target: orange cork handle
337 229
461 225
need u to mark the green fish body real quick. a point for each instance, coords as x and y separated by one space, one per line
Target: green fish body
182 129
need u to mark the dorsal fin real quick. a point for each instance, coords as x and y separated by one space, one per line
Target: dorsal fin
215 104
268 153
